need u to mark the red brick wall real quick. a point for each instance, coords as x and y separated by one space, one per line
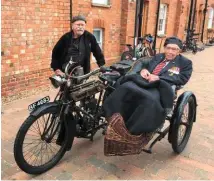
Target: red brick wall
31 28
29 31
130 22
127 22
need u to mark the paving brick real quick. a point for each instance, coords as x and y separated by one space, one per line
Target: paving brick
129 171
20 176
196 164
5 165
8 157
70 167
44 176
90 173
201 174
8 145
11 171
155 167
173 173
4 176
110 167
64 176
110 177
57 170
96 162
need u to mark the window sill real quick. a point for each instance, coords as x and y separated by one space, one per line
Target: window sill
161 36
101 5
210 29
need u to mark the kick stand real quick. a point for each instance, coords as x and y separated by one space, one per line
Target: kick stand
160 137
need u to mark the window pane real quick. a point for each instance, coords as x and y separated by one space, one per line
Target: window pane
164 12
211 13
161 16
97 35
159 28
210 20
160 25
162 19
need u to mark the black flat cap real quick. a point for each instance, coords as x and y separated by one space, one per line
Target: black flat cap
77 18
174 40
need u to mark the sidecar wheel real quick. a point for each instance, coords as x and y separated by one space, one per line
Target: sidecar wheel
183 122
35 148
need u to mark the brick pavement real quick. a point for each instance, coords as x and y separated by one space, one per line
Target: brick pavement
86 160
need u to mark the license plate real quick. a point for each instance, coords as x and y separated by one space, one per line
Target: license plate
38 103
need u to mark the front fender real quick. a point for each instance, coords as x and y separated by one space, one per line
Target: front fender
183 98
41 108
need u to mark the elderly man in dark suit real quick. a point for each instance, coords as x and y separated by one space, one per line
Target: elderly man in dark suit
144 98
169 66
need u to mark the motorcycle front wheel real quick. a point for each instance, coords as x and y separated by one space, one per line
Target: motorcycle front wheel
35 147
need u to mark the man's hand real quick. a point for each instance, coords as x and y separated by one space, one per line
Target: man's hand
59 72
145 74
153 78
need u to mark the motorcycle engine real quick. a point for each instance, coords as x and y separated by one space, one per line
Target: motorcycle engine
84 124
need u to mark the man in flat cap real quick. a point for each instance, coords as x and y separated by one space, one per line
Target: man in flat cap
77 44
170 66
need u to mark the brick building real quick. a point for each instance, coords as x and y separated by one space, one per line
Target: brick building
31 28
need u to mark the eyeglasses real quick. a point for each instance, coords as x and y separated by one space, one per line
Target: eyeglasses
172 48
79 25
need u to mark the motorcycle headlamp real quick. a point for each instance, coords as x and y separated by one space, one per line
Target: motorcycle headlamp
57 80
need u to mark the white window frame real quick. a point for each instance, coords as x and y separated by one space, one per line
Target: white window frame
163 18
210 20
101 39
101 2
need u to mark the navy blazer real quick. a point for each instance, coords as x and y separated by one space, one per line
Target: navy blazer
176 72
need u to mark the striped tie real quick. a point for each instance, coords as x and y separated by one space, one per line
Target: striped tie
159 67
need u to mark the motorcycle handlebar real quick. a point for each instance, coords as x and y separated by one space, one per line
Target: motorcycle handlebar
83 77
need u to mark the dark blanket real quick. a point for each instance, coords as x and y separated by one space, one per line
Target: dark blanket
142 104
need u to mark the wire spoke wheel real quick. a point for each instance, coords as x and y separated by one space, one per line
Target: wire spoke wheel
35 148
182 128
39 145
184 124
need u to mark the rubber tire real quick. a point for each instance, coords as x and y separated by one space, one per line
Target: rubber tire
18 154
178 148
126 53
